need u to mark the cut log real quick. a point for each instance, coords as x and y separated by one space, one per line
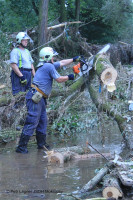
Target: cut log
111 187
58 158
62 155
106 72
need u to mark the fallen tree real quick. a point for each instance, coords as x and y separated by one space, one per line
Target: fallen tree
108 177
111 187
125 126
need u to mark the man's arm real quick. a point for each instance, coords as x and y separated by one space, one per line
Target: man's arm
33 70
65 78
69 61
62 79
16 69
66 62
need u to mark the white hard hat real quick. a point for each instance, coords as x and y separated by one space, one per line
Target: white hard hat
22 36
47 53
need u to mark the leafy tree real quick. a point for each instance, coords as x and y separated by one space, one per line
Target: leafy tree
118 14
17 15
109 19
104 20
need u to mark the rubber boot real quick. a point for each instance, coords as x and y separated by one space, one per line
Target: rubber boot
22 147
41 141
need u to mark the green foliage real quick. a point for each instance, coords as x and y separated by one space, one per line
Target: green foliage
67 126
104 20
118 14
109 20
8 135
53 12
17 15
4 46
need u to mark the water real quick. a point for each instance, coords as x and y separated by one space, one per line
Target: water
29 176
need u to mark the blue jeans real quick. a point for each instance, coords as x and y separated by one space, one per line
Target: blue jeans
16 84
36 117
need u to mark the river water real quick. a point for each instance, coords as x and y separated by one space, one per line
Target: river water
30 176
24 177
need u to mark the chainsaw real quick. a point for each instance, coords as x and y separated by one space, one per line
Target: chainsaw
84 66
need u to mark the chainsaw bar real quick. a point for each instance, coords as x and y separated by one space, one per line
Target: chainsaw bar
88 65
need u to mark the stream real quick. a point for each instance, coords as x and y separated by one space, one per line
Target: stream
25 177
30 176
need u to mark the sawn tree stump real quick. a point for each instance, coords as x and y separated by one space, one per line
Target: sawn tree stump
111 187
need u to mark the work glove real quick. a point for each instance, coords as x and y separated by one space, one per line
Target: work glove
76 58
71 77
23 80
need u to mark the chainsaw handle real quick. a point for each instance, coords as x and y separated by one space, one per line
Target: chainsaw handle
82 70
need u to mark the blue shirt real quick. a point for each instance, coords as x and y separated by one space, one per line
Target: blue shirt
25 57
44 76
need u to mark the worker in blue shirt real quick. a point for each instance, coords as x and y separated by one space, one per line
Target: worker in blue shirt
21 64
36 98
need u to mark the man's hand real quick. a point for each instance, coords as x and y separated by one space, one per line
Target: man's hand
71 77
76 58
23 80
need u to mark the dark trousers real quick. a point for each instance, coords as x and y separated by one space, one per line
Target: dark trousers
16 84
36 117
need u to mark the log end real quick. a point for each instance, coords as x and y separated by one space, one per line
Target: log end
109 76
112 192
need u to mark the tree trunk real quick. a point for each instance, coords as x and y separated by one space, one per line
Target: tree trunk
111 187
102 64
93 182
71 89
77 12
105 71
43 15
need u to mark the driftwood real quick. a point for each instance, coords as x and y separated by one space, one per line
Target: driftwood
111 187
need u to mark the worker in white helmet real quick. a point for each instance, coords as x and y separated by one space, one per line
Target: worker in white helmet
21 64
41 87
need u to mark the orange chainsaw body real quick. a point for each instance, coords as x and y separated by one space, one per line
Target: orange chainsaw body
76 68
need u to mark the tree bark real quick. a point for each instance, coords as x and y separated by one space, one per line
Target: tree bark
106 106
76 86
77 12
43 15
104 69
93 182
